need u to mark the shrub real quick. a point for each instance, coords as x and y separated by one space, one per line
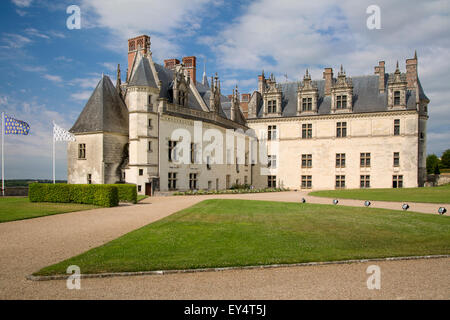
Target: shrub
97 194
127 192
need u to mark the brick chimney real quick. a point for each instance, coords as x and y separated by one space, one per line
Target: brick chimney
381 71
171 63
411 72
261 82
328 76
190 64
245 99
141 43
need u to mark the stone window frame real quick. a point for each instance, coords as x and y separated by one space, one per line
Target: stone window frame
272 161
365 160
397 98
307 104
306 182
397 181
340 181
82 151
306 161
272 106
171 146
341 101
396 159
193 181
397 123
172 180
271 181
341 129
272 132
140 172
307 131
364 181
340 160
89 178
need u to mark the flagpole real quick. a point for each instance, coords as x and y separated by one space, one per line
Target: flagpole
3 157
53 138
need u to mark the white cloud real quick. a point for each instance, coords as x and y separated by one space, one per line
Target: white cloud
53 78
289 36
33 68
110 66
36 33
22 3
81 96
162 20
15 41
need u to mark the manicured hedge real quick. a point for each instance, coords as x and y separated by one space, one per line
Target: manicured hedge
97 194
127 192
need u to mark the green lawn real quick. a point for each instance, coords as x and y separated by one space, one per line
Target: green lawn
18 208
141 197
221 233
429 194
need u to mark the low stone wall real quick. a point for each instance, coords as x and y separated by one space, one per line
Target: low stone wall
16 191
437 179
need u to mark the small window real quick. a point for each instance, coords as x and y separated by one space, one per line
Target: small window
139 188
141 172
271 181
150 146
272 133
396 159
82 151
172 180
306 160
396 127
150 123
365 160
272 106
397 181
306 104
340 181
89 178
306 182
208 162
193 152
340 160
341 129
341 102
306 131
396 98
193 181
364 181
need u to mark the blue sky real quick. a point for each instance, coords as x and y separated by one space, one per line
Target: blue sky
47 71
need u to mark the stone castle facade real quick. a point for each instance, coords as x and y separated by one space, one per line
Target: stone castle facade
339 132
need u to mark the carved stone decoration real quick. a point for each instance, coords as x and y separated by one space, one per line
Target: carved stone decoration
307 96
342 93
397 85
272 98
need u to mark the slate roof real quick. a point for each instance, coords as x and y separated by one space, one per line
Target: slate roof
105 111
366 97
143 76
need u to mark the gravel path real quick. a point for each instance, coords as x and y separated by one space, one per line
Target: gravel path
28 245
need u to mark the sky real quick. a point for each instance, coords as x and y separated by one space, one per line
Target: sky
48 71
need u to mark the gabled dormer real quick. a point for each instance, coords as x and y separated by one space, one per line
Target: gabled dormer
180 88
342 93
397 85
272 98
307 96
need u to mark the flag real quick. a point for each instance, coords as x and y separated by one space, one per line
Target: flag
59 134
14 126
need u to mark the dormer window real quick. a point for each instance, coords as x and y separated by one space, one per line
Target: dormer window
272 106
396 98
306 104
341 102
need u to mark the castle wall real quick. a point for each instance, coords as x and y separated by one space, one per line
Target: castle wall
369 133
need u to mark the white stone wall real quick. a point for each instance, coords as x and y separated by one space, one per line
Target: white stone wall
78 169
368 133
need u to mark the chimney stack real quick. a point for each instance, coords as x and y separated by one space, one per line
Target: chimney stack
411 72
190 64
171 63
141 43
328 76
381 71
261 82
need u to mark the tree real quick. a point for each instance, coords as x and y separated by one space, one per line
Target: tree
432 163
445 159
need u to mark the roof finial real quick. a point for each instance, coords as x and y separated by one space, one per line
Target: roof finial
396 66
415 54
